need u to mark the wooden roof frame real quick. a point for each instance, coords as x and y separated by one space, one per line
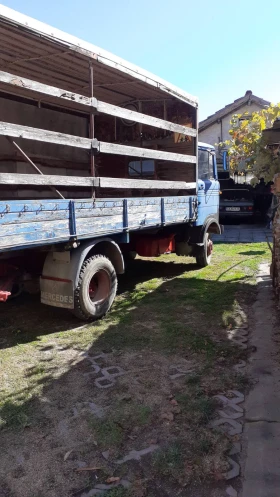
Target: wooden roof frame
84 49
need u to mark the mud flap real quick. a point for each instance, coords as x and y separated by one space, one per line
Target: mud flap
57 293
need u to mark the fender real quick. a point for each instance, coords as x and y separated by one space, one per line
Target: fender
61 270
210 225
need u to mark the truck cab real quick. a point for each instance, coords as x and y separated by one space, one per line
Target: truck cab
208 187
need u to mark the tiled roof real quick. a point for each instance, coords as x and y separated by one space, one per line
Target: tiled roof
231 108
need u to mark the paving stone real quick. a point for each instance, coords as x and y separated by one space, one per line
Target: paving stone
231 492
106 454
231 411
137 454
109 374
222 423
178 371
243 233
239 368
240 341
91 493
96 410
101 488
236 449
238 396
234 470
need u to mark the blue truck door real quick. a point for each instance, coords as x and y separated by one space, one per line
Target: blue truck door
208 185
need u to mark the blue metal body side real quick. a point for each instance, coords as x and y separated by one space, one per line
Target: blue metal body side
32 223
207 200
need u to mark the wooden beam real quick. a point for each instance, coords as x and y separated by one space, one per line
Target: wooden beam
101 182
138 117
46 180
100 106
144 184
43 135
52 91
113 148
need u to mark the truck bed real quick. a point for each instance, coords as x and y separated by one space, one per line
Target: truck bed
32 223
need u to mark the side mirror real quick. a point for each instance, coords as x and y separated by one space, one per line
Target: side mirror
225 166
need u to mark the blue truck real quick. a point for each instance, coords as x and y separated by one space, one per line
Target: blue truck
99 161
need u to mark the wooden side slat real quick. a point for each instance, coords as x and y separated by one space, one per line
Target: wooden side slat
113 148
144 184
46 179
100 106
138 117
35 86
43 135
102 182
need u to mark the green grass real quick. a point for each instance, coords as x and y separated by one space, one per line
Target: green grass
107 432
169 462
167 310
166 304
112 430
14 415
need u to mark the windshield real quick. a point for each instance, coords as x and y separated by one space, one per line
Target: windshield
236 195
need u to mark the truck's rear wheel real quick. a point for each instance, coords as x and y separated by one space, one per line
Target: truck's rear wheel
96 289
204 252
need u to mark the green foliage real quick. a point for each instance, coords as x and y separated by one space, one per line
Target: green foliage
247 146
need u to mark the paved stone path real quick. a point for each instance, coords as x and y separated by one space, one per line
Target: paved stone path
262 406
244 233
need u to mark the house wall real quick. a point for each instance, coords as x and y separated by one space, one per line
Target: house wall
217 132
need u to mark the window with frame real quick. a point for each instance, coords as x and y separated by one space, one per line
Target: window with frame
205 164
139 168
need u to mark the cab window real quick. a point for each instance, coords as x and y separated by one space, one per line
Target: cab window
205 164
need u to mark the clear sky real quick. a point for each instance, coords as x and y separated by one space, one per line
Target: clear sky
213 49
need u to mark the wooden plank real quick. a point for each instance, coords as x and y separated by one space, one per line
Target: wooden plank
113 148
43 135
46 179
144 184
138 117
103 107
18 81
102 182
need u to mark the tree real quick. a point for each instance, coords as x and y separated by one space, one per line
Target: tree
248 147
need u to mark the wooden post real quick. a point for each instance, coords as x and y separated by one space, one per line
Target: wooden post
91 126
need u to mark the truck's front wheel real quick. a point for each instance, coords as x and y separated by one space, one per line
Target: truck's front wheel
96 289
204 252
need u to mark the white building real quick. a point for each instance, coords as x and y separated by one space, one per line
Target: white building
216 127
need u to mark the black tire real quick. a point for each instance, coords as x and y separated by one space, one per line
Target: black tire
204 252
96 289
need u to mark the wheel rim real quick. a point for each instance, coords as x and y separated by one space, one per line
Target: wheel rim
99 287
209 248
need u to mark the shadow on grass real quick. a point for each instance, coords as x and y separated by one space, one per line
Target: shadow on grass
24 319
252 252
